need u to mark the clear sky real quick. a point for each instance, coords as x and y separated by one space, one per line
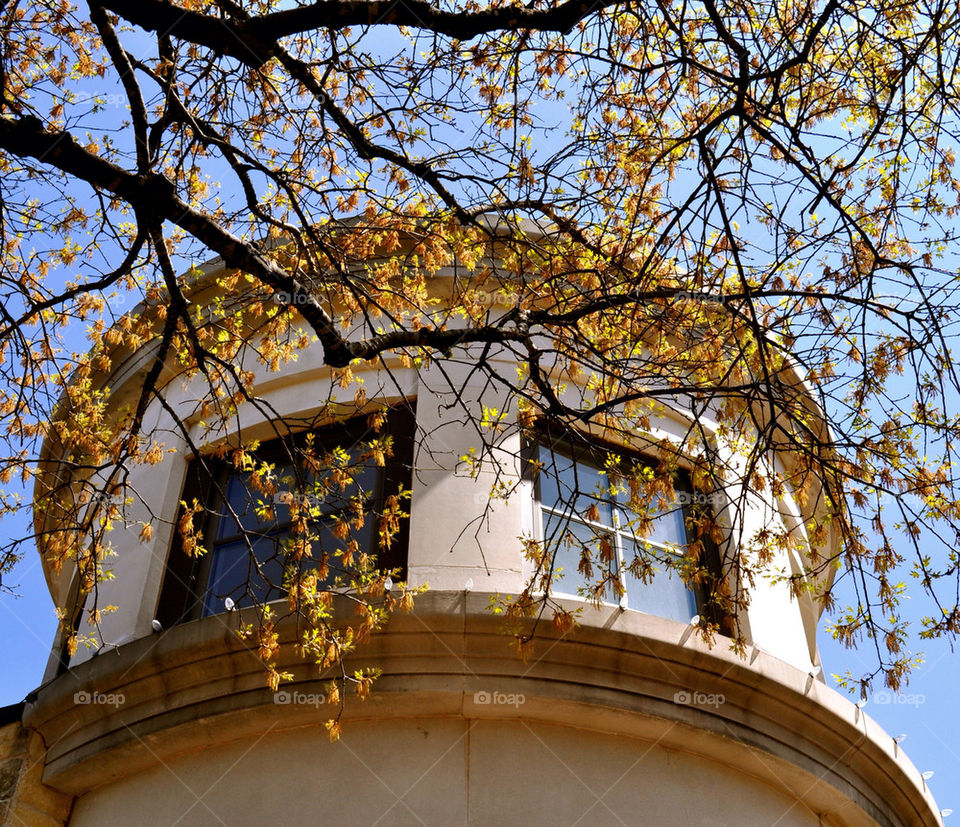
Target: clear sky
926 711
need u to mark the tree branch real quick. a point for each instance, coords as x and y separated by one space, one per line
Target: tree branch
254 41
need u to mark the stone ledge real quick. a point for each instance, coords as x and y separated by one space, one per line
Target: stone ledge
196 686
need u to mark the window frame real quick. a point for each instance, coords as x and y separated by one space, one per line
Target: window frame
185 585
586 450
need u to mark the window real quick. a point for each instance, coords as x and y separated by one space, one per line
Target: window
248 526
585 517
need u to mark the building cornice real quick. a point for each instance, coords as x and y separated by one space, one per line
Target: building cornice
627 673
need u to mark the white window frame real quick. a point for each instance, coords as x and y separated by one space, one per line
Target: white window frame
569 516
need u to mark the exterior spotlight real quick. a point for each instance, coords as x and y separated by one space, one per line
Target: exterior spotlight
388 584
156 625
228 604
926 776
468 586
688 631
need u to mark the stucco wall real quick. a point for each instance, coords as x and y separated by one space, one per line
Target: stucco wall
197 690
24 799
454 538
443 772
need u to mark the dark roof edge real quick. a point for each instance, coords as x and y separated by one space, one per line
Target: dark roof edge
13 713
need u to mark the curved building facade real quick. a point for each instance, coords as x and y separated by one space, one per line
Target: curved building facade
631 718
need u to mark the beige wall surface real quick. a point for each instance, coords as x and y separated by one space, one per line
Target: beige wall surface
609 734
627 696
24 798
457 537
442 772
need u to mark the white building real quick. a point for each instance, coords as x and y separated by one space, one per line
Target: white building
630 719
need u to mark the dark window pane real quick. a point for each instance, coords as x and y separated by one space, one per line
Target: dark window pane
327 542
329 490
234 575
231 565
245 502
245 526
366 476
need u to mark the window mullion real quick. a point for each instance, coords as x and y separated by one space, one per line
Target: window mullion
618 550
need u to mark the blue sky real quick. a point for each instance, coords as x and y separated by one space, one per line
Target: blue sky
925 711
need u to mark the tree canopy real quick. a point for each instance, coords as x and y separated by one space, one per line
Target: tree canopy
743 210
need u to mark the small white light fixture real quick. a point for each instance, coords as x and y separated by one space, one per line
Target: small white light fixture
945 813
228 604
926 776
862 703
688 631
388 584
901 738
156 625
468 586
